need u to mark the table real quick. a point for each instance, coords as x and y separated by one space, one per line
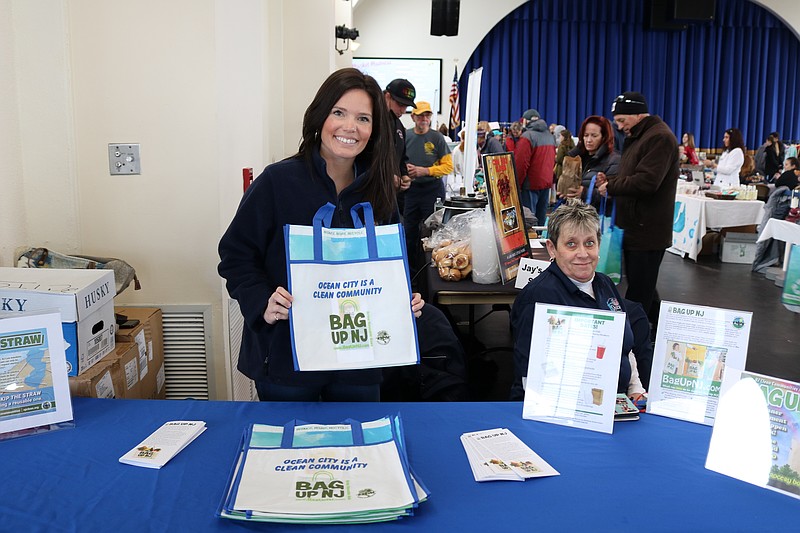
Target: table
648 475
467 292
781 230
695 214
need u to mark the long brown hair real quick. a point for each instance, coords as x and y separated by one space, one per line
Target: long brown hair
605 130
378 188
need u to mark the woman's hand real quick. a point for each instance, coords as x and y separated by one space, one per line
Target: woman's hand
278 306
417 303
575 192
601 189
635 397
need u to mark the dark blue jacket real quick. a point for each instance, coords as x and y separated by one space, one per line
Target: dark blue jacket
253 262
553 287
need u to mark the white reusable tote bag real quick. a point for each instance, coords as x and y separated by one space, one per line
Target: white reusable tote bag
352 294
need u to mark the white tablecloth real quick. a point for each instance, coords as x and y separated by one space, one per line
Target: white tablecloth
694 215
780 230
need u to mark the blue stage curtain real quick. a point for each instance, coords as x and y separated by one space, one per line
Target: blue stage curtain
570 58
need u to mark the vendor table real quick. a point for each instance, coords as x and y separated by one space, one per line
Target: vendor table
648 475
694 215
781 230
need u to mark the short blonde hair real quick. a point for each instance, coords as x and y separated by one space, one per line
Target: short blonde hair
573 213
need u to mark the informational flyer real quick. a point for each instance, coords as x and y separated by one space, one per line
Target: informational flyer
693 346
756 434
573 367
507 216
34 390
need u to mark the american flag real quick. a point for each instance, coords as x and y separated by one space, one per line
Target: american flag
455 116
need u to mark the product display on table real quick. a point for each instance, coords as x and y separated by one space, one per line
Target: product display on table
506 209
756 435
694 345
34 391
164 443
573 367
346 473
352 294
499 455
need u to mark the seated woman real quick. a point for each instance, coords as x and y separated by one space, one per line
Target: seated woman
573 244
790 174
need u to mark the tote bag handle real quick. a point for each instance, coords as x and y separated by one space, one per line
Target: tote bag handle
322 218
369 224
613 218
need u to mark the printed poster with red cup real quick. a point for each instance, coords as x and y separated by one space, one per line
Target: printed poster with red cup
573 368
507 216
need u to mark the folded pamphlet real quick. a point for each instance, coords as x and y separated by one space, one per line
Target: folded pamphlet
499 455
164 443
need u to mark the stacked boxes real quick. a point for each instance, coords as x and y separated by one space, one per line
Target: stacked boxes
83 297
148 336
116 376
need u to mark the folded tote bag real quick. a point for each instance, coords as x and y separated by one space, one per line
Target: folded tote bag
352 294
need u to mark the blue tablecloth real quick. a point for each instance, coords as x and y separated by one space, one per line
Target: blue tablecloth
647 476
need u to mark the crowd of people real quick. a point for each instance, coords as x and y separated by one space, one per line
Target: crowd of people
354 148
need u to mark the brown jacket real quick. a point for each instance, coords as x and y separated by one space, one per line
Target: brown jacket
645 186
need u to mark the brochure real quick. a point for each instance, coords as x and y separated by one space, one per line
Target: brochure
499 455
573 367
625 409
164 443
34 391
694 344
756 436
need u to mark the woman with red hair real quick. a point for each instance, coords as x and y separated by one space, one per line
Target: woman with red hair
598 157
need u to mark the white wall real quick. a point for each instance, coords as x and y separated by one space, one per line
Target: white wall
206 87
12 210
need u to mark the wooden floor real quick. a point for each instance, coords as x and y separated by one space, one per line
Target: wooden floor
774 347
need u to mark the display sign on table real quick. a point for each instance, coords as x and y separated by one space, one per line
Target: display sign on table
507 216
756 435
573 367
694 345
34 390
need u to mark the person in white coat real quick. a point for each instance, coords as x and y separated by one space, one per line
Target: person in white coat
731 160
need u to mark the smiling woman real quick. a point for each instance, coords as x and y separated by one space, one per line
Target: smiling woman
573 244
346 157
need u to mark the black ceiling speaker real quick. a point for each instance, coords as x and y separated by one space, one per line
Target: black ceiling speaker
659 16
444 17
700 10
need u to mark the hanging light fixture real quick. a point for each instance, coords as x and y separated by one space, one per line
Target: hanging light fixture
347 35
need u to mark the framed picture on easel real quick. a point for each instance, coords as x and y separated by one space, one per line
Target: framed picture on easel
507 215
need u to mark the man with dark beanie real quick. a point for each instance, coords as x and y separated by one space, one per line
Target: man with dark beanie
645 191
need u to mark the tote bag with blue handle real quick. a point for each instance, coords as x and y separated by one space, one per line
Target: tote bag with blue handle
352 294
610 256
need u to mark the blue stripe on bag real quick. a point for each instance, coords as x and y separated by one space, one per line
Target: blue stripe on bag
322 218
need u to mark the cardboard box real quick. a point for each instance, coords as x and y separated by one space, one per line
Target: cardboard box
103 380
149 337
84 298
738 248
126 362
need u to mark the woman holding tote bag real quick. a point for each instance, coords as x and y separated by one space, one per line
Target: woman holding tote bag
346 157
